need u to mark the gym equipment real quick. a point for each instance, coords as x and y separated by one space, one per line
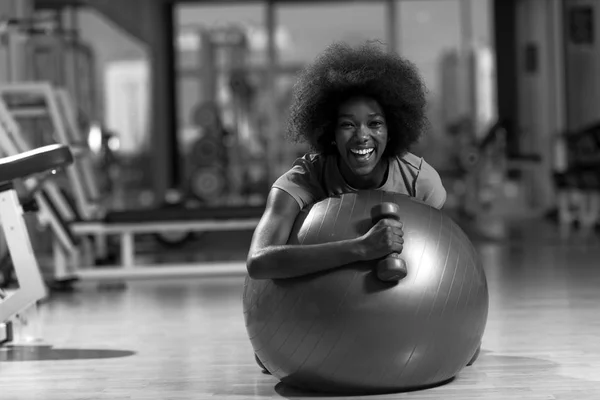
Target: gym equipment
7 272
31 285
346 331
208 165
207 151
207 116
237 93
126 225
208 184
578 182
19 101
76 255
52 53
392 267
6 332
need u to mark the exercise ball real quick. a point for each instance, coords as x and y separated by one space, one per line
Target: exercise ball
346 331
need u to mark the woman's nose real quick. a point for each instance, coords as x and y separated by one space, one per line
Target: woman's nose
362 132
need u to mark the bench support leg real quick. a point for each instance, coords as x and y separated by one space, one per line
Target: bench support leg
127 250
31 285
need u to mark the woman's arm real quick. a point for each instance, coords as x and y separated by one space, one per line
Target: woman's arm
270 257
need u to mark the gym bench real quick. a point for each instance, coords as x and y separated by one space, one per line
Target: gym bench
127 224
75 257
31 289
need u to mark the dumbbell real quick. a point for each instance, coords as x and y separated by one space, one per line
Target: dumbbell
392 267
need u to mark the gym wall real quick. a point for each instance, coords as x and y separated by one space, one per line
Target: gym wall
539 94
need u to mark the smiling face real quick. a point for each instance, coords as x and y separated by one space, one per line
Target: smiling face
361 137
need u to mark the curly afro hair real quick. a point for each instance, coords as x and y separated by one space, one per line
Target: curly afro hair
341 72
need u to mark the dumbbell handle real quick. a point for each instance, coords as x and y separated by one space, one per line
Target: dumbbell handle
393 267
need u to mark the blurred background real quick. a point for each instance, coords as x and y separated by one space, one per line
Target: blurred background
186 101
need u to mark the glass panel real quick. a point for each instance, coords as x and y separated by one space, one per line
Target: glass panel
193 18
428 30
450 42
306 29
220 56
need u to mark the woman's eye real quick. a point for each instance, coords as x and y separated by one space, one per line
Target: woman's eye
345 125
376 124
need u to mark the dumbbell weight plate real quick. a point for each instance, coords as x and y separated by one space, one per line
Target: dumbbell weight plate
174 239
384 210
392 268
207 151
206 115
207 183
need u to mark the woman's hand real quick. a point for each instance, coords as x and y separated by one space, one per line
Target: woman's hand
385 237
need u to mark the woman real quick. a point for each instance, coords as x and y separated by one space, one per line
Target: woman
360 109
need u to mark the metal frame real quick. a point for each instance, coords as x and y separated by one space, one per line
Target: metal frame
204 270
127 232
12 142
5 332
31 285
68 111
64 125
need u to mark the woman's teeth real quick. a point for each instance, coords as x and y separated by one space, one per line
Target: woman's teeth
362 151
362 155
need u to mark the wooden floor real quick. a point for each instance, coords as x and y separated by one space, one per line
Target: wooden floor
186 339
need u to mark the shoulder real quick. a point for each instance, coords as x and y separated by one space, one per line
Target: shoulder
428 185
411 161
428 171
418 164
309 161
303 180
